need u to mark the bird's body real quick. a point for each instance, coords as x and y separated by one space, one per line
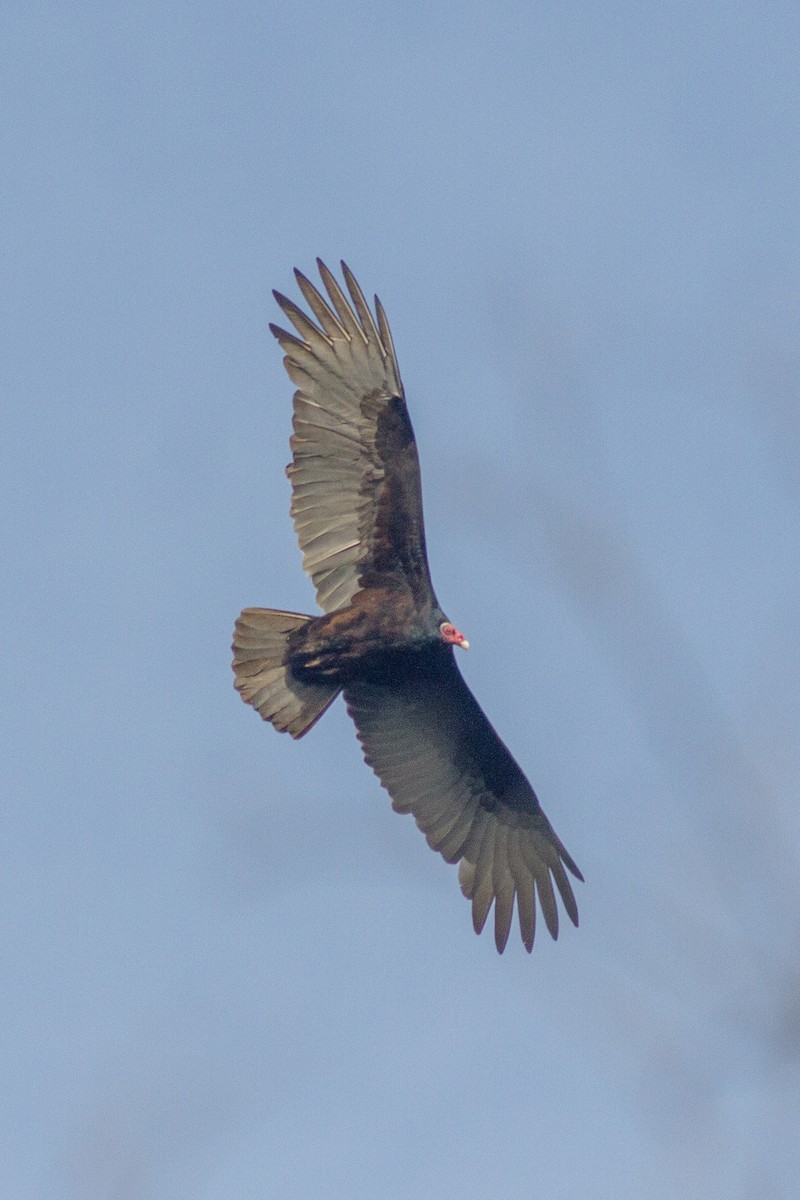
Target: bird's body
378 628
383 639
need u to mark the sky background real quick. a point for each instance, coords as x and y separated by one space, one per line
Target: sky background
228 968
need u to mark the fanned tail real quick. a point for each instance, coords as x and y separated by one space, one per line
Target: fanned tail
263 679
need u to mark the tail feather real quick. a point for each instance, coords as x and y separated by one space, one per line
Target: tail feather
263 679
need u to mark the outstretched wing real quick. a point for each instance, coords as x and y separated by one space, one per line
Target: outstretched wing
356 495
434 751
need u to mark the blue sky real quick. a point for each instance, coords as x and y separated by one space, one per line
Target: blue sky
228 968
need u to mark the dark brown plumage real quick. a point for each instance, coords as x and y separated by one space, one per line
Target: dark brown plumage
384 640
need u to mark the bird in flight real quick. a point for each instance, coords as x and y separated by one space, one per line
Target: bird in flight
383 639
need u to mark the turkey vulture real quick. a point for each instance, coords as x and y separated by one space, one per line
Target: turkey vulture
383 639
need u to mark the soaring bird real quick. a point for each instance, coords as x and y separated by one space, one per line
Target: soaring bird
384 640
